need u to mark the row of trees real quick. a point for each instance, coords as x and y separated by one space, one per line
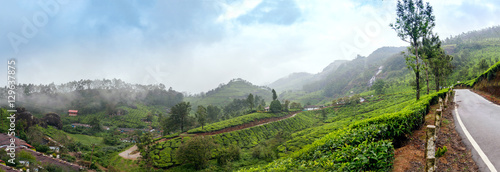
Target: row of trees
240 107
91 96
414 24
179 118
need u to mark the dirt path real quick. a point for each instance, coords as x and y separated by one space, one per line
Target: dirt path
247 125
277 120
235 128
127 154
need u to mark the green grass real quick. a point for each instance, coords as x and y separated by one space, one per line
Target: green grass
235 122
86 139
131 120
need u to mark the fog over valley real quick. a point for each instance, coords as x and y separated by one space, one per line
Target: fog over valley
195 46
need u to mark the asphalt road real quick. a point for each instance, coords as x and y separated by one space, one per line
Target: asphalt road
479 128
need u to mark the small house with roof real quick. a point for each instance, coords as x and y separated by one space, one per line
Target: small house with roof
72 112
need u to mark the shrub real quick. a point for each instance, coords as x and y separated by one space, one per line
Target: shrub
68 158
196 151
111 140
264 152
26 156
41 148
275 106
441 151
232 153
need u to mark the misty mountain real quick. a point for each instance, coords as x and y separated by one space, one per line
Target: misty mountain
340 75
225 93
90 96
296 81
354 74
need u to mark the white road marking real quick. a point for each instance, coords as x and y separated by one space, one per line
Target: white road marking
474 143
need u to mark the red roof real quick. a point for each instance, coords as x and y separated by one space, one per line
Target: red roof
73 111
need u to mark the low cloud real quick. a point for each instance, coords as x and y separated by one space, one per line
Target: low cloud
194 46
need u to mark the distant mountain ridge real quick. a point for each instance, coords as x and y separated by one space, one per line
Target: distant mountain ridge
296 81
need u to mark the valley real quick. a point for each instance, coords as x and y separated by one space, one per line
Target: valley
374 104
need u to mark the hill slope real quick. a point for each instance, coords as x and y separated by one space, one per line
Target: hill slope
340 77
225 93
296 81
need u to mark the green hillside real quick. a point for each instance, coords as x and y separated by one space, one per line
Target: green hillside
353 76
225 93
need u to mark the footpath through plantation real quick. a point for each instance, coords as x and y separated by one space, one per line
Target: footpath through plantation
231 126
197 132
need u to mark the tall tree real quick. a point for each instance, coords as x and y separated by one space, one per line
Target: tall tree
160 120
201 115
286 105
96 124
145 141
439 62
263 103
213 112
256 101
379 86
250 100
274 95
441 67
429 50
414 20
180 112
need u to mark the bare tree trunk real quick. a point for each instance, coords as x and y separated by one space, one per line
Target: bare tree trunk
417 72
427 77
437 84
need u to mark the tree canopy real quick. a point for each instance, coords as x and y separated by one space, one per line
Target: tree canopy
179 116
250 101
379 86
201 115
413 22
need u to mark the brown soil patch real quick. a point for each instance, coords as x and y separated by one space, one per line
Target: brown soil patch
457 158
410 157
235 128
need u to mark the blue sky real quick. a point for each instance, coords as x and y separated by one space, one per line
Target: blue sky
194 45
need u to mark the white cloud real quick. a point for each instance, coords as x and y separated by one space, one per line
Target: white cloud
237 9
194 53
